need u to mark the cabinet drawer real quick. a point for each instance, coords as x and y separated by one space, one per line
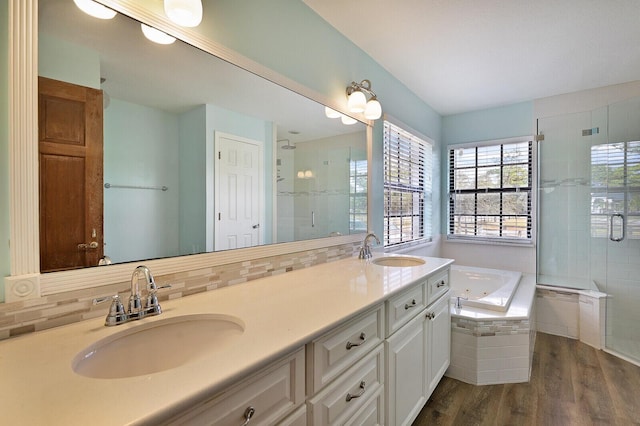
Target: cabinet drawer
437 285
371 413
404 306
345 397
299 418
273 393
334 352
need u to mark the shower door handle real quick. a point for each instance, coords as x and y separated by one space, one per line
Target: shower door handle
611 237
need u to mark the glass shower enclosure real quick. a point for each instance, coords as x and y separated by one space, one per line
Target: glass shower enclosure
589 212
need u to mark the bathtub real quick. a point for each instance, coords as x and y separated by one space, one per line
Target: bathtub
483 288
493 333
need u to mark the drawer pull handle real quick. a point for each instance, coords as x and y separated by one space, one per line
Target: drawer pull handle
350 345
411 305
431 315
248 414
441 284
359 394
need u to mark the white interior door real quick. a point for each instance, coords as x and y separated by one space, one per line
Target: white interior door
238 192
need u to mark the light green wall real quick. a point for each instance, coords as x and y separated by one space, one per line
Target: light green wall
140 149
5 268
487 124
193 180
60 60
475 126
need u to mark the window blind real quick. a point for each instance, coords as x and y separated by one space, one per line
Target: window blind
407 186
615 187
490 191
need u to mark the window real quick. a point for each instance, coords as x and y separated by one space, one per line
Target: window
615 190
490 191
407 187
358 195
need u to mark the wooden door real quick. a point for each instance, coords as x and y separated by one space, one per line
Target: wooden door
70 156
238 190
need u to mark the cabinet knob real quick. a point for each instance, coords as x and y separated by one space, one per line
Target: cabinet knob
431 315
248 414
441 284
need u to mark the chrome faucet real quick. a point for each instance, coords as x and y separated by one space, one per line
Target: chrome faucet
459 300
118 315
136 308
365 250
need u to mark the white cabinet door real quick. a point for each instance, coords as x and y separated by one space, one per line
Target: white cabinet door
438 340
405 379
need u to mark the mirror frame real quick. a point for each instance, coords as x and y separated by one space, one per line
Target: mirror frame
25 281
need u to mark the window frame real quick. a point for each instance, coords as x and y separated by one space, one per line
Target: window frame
424 190
529 240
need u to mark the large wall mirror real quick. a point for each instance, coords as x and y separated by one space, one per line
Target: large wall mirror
167 111
199 155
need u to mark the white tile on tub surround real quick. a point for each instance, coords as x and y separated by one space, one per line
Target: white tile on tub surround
504 340
558 314
516 375
487 377
503 352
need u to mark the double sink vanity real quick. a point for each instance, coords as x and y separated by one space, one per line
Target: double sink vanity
354 341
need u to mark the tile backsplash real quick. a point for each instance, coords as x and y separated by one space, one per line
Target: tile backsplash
27 316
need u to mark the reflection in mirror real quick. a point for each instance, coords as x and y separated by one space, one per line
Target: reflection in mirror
198 154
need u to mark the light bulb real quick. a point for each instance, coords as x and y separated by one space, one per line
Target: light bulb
331 113
155 35
300 174
308 174
348 120
373 111
94 9
357 101
186 13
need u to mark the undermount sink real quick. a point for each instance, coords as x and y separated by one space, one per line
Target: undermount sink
157 346
399 261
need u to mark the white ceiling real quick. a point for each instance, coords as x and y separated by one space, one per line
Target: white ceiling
464 55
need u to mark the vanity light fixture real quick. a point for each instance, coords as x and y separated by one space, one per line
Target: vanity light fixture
155 35
357 100
186 13
94 9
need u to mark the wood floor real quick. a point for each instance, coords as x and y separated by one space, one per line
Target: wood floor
571 384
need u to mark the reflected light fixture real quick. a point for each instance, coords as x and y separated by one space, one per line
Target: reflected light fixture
357 100
94 9
186 13
348 120
155 35
331 113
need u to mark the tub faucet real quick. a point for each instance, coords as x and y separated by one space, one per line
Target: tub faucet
459 301
365 250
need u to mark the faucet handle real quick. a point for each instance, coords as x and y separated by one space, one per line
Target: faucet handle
117 314
153 305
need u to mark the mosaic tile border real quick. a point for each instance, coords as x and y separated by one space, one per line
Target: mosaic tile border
490 328
28 316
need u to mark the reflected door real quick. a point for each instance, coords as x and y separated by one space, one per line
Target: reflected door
70 167
238 195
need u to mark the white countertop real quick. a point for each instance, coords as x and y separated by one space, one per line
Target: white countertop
280 314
